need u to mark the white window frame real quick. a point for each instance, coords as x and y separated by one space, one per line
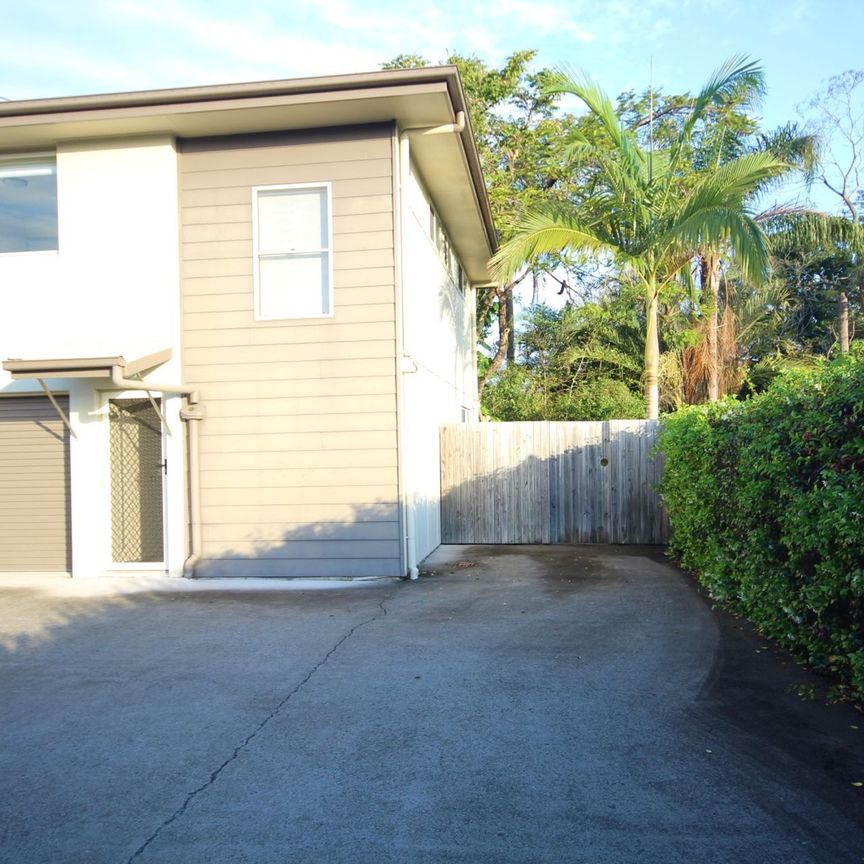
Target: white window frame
8 160
290 187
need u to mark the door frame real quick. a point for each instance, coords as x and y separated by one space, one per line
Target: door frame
133 566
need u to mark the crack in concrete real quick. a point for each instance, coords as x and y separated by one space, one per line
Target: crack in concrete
252 735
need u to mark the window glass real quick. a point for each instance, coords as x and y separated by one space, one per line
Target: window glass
28 204
279 279
292 252
292 221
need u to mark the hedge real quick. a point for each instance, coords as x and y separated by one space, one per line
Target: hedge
766 503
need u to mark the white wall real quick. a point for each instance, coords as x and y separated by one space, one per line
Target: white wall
438 340
111 289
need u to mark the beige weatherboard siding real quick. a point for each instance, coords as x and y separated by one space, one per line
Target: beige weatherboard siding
299 447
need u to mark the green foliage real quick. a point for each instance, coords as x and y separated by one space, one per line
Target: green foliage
650 211
516 394
576 363
766 501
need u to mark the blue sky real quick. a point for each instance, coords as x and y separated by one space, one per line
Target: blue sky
54 48
50 48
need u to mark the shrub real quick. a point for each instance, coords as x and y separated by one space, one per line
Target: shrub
766 503
520 393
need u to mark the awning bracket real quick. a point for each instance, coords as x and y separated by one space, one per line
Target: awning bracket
156 407
57 408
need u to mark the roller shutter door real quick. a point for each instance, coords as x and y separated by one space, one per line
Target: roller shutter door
34 486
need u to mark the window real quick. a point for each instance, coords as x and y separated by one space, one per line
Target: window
291 248
28 203
446 253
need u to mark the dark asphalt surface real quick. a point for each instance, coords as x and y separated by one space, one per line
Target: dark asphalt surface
517 704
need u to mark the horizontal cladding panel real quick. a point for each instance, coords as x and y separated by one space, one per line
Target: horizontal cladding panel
265 368
288 153
334 547
26 499
361 259
34 511
285 383
294 356
360 496
272 533
343 280
275 333
241 301
246 403
288 423
218 568
222 250
271 175
373 313
294 514
24 547
267 339
262 458
350 393
335 444
360 187
333 479
354 207
241 229
24 482
240 538
34 457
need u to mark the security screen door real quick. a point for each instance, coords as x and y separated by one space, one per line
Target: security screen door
137 468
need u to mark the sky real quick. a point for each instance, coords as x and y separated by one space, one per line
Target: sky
50 48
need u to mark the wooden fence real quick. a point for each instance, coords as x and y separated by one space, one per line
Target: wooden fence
586 482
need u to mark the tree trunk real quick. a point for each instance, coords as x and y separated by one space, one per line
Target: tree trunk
503 339
711 284
511 330
843 321
652 354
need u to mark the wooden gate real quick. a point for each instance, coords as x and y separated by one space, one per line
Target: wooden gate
586 482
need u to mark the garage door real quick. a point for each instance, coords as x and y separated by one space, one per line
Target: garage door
34 485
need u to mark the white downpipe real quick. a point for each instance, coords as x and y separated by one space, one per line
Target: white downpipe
193 416
409 546
408 516
445 129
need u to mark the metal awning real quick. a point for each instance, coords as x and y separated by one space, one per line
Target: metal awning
86 367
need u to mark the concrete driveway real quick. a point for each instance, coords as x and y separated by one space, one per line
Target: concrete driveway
519 704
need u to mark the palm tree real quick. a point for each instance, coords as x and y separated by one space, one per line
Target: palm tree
788 144
648 214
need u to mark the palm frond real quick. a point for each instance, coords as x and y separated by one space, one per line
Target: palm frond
569 81
737 77
726 225
551 229
732 182
790 229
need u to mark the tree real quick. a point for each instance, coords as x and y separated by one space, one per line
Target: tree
581 362
517 131
839 122
647 214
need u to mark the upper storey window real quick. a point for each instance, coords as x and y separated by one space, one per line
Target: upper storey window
28 203
292 251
